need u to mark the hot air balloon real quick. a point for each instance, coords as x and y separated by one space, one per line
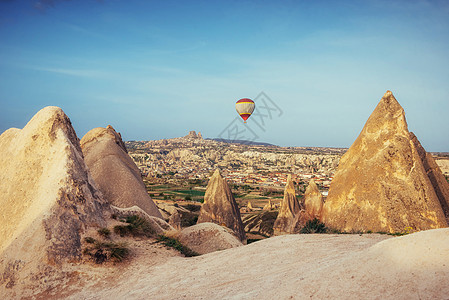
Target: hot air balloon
245 108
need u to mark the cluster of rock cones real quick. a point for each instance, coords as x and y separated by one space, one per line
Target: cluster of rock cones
56 188
385 182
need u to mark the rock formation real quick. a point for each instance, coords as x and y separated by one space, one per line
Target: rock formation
268 206
179 216
220 207
381 183
115 173
175 221
436 177
192 135
157 225
208 237
199 135
48 199
289 210
261 223
313 201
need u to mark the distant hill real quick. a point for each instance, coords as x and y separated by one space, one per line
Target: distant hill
440 154
243 142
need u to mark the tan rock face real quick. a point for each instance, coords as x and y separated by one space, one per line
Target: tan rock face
115 173
158 225
268 206
175 221
208 237
261 223
220 207
381 183
249 206
290 208
313 200
436 177
47 197
192 135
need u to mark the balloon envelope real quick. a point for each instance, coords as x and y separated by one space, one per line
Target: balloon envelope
245 108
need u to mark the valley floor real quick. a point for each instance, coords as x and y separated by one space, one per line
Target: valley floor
325 266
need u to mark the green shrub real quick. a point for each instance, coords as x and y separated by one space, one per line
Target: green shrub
121 230
104 251
104 232
175 244
89 240
314 226
119 251
137 226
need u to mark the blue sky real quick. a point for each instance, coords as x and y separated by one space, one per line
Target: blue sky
157 69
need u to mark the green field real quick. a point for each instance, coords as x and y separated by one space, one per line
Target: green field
193 193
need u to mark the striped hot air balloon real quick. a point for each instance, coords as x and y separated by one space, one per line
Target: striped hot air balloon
245 108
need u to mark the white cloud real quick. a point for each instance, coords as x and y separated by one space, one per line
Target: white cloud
76 72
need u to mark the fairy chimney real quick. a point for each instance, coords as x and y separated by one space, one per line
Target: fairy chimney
290 208
220 207
381 184
115 173
313 200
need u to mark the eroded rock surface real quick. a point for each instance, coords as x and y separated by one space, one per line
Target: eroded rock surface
208 237
313 201
261 223
381 183
290 208
220 207
436 177
48 200
115 173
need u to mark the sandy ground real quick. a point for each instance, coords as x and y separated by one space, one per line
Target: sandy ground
369 266
443 164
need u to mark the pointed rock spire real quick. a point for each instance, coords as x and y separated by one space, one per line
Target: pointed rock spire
268 206
48 199
115 173
290 207
313 200
249 205
381 183
220 207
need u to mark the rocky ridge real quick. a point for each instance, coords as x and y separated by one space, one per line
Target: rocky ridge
184 154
